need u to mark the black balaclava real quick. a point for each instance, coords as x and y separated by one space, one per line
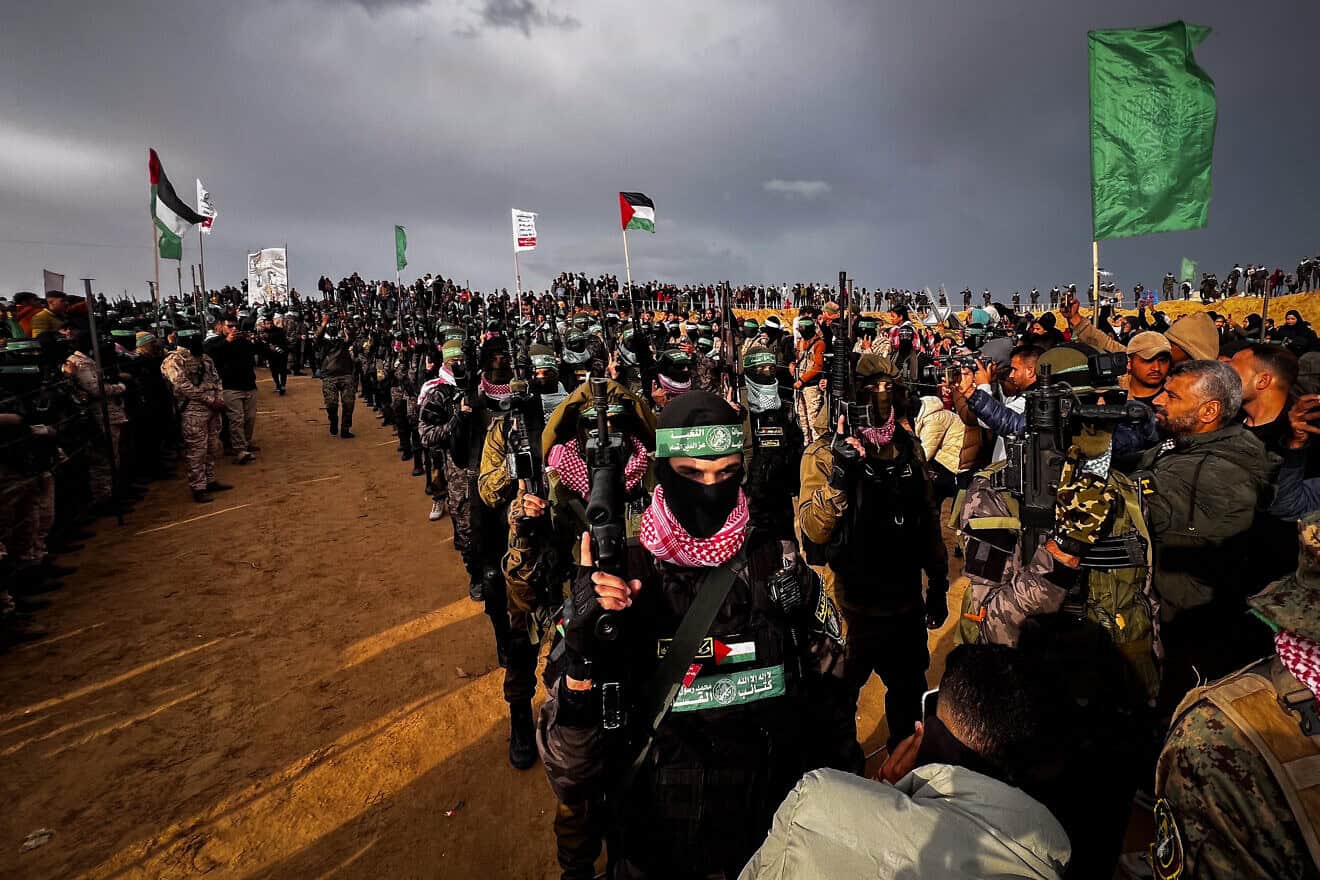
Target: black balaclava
700 509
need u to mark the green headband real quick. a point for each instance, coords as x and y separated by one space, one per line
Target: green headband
451 350
759 359
699 441
544 362
614 409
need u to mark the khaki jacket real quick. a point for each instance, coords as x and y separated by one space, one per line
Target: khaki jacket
939 822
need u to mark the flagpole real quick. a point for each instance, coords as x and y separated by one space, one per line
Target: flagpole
517 279
179 267
201 252
627 264
1095 279
155 253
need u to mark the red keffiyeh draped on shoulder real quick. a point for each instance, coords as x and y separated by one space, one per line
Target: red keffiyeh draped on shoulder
1301 657
565 460
662 534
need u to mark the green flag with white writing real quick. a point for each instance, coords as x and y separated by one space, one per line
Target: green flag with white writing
400 248
1188 270
1153 119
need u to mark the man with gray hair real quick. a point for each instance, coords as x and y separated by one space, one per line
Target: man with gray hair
1201 489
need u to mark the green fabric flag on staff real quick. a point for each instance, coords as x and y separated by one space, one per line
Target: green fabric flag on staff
1152 130
400 248
1188 270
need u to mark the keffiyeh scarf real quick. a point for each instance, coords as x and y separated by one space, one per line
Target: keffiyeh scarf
881 436
495 392
1301 657
566 460
662 534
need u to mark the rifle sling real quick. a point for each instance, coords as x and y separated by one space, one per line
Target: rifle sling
659 692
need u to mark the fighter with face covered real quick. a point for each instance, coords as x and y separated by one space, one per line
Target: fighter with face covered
724 681
776 449
867 506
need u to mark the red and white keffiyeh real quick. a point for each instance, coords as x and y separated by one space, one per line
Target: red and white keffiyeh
882 435
565 460
1301 657
662 534
493 391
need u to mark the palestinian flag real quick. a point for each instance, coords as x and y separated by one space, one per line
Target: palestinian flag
172 214
637 211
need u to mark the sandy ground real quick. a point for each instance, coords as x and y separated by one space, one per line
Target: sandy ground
295 685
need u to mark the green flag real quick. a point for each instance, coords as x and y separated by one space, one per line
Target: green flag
400 247
171 245
1188 270
1152 130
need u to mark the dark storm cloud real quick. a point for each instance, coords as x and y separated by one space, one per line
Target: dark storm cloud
524 15
911 144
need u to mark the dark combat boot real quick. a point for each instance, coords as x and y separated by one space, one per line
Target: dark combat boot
344 433
333 413
522 736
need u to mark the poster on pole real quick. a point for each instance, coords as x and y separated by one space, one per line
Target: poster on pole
268 277
524 231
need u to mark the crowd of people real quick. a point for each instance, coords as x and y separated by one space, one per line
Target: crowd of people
717 528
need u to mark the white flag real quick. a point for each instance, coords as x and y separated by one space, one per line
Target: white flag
205 207
524 231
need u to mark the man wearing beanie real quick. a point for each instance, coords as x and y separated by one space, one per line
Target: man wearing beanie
725 666
867 510
1192 337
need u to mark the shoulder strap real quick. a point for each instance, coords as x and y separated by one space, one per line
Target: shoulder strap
1250 703
659 692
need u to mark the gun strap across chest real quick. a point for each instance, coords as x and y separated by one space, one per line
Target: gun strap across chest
660 690
1253 700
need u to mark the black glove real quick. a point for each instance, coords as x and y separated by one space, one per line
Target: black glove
937 603
579 625
846 466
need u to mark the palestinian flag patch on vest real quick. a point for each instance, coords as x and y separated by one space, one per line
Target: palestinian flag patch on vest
637 211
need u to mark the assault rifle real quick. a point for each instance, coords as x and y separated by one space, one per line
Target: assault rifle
605 506
729 348
640 343
841 366
1054 416
523 440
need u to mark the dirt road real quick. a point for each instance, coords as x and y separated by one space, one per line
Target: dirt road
290 682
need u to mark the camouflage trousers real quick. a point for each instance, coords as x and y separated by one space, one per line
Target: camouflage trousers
460 482
811 412
340 393
100 464
27 510
201 444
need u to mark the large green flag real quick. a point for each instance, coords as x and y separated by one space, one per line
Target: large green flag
1188 270
400 246
1152 130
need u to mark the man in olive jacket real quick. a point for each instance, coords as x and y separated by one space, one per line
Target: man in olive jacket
1201 489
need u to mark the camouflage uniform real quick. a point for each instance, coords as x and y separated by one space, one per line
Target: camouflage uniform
438 425
1003 591
1235 792
196 383
82 369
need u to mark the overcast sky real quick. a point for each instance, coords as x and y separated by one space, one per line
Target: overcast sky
911 143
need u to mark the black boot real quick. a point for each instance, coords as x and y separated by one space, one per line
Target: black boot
333 413
522 736
344 433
